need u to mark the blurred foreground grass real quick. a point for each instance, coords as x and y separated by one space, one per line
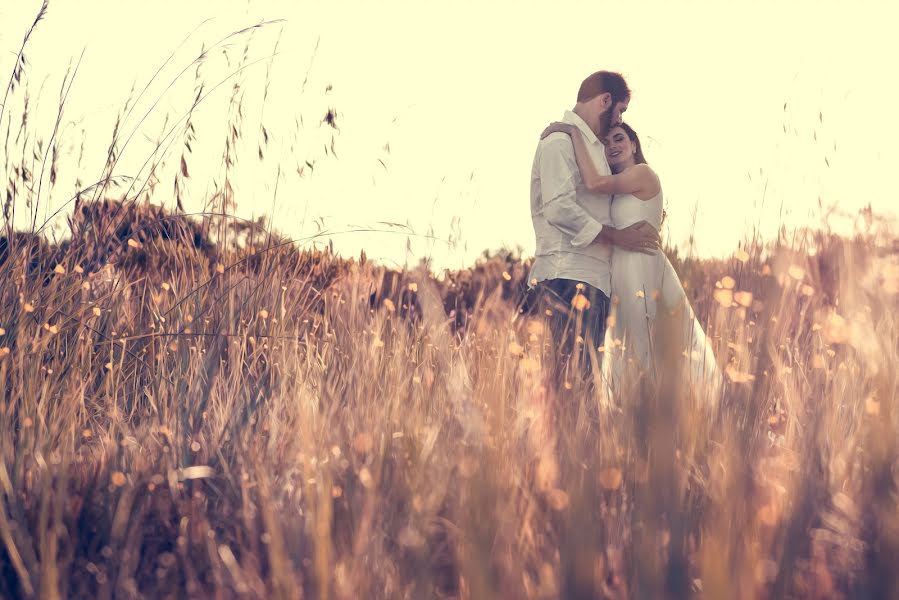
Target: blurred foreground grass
183 419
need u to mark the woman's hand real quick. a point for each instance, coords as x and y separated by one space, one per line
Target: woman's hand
558 127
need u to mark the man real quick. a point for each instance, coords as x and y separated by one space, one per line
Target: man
571 280
571 275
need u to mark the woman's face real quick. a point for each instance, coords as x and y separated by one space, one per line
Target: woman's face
620 149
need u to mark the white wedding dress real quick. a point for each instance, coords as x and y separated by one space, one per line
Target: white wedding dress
645 290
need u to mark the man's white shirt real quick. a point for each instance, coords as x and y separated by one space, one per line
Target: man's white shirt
567 217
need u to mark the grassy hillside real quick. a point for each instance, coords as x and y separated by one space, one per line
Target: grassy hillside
181 418
201 408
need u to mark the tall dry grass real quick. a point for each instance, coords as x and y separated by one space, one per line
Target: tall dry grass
200 409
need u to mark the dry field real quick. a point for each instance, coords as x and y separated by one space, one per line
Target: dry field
198 408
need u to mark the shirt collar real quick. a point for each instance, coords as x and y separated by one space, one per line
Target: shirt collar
574 119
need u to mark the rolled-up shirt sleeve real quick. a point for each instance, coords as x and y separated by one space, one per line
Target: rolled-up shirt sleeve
558 167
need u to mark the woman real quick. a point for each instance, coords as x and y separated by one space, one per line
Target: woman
652 317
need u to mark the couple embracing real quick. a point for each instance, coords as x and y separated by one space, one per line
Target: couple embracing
596 207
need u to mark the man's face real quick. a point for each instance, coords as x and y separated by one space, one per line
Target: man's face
618 112
611 117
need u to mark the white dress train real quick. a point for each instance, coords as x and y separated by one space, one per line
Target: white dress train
645 289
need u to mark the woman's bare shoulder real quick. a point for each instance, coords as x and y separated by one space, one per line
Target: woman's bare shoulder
650 184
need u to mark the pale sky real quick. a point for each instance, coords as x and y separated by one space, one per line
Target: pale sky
461 90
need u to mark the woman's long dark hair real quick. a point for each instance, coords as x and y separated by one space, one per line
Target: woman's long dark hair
638 155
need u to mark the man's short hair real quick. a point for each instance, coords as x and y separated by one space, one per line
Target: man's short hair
602 82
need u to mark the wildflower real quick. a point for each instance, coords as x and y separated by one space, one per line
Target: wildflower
738 376
580 302
724 297
557 499
768 515
59 269
196 472
506 276
728 282
610 478
529 365
411 538
891 279
547 473
872 406
365 478
836 330
796 272
743 298
363 442
118 479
